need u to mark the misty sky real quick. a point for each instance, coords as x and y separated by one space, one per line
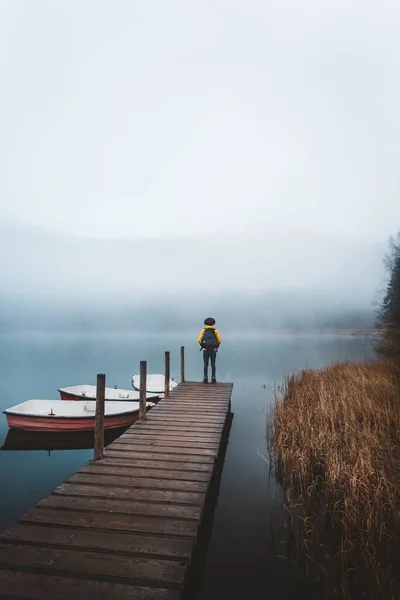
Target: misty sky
127 118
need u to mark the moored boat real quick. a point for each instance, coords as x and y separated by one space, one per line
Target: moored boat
64 415
154 383
88 392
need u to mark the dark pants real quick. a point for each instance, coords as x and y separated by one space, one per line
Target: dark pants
209 355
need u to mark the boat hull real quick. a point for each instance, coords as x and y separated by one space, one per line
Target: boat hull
32 423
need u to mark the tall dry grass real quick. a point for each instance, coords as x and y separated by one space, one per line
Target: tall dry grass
335 442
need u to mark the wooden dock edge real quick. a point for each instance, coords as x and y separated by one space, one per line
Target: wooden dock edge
195 569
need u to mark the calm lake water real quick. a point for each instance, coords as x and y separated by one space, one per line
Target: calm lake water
244 558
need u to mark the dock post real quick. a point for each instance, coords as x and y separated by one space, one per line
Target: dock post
99 418
182 364
142 389
167 374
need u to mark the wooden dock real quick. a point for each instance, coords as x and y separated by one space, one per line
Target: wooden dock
125 526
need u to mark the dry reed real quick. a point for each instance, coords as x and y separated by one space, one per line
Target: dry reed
335 442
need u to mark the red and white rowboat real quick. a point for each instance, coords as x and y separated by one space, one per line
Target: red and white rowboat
88 392
64 415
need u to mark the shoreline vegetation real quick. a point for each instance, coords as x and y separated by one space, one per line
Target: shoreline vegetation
334 445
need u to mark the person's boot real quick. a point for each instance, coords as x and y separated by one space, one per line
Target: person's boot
213 380
205 380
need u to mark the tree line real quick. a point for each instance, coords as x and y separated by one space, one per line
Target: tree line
389 308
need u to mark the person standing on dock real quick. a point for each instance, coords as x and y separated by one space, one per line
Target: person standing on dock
209 340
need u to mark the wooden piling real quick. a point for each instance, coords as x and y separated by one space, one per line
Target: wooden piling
142 390
182 364
167 374
99 419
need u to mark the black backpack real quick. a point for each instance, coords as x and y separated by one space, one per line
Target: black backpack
209 341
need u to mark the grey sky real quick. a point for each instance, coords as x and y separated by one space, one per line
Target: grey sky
155 118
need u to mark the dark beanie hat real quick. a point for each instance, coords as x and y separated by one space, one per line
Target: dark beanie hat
209 321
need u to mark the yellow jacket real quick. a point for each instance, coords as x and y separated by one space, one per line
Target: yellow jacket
217 334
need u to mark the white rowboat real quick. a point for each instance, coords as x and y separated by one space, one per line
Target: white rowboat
64 415
83 392
154 383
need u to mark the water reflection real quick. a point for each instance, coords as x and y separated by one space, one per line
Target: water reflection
50 441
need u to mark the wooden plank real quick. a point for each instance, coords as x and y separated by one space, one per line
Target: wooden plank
197 384
156 442
200 385
35 586
113 478
186 455
192 406
179 413
176 428
210 393
193 409
195 393
178 393
157 430
167 432
184 452
148 473
200 416
207 390
193 412
138 442
196 400
130 493
201 396
201 413
124 463
167 437
127 543
165 452
185 418
200 422
116 506
167 462
132 435
222 384
133 451
115 522
198 395
186 422
190 383
76 561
